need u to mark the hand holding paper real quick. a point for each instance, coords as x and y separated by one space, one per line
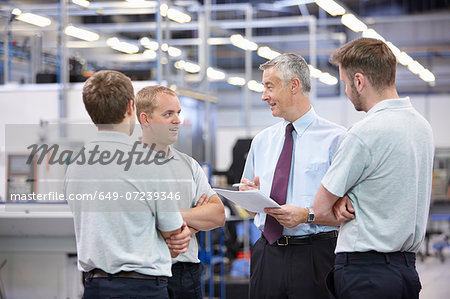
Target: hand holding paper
251 200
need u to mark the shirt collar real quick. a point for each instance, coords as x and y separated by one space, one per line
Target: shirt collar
113 136
390 104
301 124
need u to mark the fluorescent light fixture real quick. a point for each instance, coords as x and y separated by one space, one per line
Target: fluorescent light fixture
174 14
404 58
331 7
174 52
83 3
372 34
81 33
314 73
125 47
149 44
236 81
255 86
353 23
16 11
163 8
427 76
179 64
141 4
178 16
267 53
394 49
243 43
415 67
328 79
34 19
191 67
150 54
214 74
165 47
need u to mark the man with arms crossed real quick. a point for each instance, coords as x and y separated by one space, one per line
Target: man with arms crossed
384 165
294 253
158 111
118 244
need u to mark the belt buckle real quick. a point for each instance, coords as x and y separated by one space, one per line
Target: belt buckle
286 241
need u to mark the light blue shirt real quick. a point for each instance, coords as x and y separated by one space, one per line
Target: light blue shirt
315 142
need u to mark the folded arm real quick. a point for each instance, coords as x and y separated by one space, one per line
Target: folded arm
208 214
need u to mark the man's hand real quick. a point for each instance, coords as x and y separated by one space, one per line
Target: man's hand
203 200
179 243
343 209
288 216
249 185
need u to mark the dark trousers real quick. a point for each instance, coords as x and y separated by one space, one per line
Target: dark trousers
102 288
292 271
374 275
185 282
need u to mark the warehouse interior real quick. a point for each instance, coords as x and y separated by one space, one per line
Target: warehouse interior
209 52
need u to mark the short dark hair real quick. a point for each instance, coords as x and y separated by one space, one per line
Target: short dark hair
369 56
106 95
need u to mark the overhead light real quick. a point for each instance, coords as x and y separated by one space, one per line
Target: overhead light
32 18
191 67
353 23
243 43
236 81
141 4
125 47
179 64
328 79
83 3
174 52
174 14
149 44
331 7
427 76
404 58
314 73
267 53
415 67
16 11
81 33
164 60
165 47
150 54
394 49
255 86
214 74
372 34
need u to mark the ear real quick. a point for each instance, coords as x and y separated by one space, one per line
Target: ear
130 107
359 80
144 118
294 86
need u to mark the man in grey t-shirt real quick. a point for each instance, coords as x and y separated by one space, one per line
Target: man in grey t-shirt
158 110
120 231
379 183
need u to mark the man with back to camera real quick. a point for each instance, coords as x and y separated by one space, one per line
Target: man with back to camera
286 162
384 165
158 111
119 248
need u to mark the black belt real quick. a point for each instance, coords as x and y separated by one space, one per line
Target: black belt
97 273
304 240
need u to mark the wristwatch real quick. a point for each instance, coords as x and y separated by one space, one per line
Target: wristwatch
311 217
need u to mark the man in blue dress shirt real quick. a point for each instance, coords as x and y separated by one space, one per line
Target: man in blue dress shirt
296 263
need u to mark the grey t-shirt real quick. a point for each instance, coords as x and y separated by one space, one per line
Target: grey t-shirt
385 166
118 211
195 176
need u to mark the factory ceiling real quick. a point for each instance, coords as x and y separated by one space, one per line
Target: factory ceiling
418 28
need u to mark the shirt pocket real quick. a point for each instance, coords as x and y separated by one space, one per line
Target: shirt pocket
313 175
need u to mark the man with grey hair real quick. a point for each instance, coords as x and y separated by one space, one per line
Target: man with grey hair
287 162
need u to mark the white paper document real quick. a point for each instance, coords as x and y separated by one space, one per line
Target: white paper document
251 200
